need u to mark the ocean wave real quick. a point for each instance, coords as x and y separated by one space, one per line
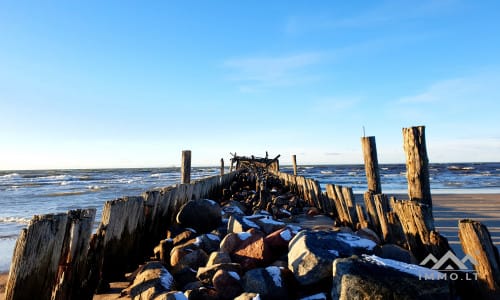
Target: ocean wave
459 168
19 220
94 187
62 194
326 172
11 175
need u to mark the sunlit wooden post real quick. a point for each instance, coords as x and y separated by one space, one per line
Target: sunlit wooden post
294 162
417 165
222 167
186 166
371 164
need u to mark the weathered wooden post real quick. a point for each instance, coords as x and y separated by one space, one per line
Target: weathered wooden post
294 162
476 242
222 167
417 165
371 164
186 166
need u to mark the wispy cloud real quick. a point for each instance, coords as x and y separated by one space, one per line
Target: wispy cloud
476 89
385 14
254 73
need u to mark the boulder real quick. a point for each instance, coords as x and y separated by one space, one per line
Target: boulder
267 282
183 237
218 257
367 233
233 208
279 240
252 252
191 259
206 274
227 283
268 224
311 253
173 295
203 215
371 277
202 294
248 296
395 252
240 224
209 242
152 280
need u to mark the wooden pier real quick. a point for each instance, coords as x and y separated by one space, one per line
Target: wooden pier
59 257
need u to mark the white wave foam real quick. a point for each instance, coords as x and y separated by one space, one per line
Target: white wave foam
19 220
11 175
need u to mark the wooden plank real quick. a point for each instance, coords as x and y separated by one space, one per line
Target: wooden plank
371 164
124 222
476 242
36 258
71 277
371 211
382 208
350 204
362 218
222 167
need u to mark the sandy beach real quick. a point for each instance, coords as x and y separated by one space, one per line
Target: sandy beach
448 209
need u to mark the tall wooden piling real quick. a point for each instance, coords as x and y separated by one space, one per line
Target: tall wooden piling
294 162
186 166
371 164
417 165
36 258
476 242
222 167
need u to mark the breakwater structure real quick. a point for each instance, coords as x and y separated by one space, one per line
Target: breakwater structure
58 256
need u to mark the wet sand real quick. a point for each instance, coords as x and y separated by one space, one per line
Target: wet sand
448 210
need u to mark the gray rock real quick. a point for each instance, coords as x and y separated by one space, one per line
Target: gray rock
203 215
268 224
395 252
268 282
218 257
311 253
248 296
205 274
371 277
152 280
227 283
240 224
173 295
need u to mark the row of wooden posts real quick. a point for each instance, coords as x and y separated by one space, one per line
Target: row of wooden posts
58 257
408 223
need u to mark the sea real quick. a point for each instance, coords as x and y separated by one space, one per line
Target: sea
27 193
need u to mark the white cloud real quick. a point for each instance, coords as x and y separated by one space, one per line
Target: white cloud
254 73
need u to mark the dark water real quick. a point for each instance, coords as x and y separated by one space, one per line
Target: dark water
26 193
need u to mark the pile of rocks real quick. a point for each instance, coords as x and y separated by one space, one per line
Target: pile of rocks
247 246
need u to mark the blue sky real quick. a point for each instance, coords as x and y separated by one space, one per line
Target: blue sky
87 84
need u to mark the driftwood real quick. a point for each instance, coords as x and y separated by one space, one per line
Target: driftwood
476 242
382 208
